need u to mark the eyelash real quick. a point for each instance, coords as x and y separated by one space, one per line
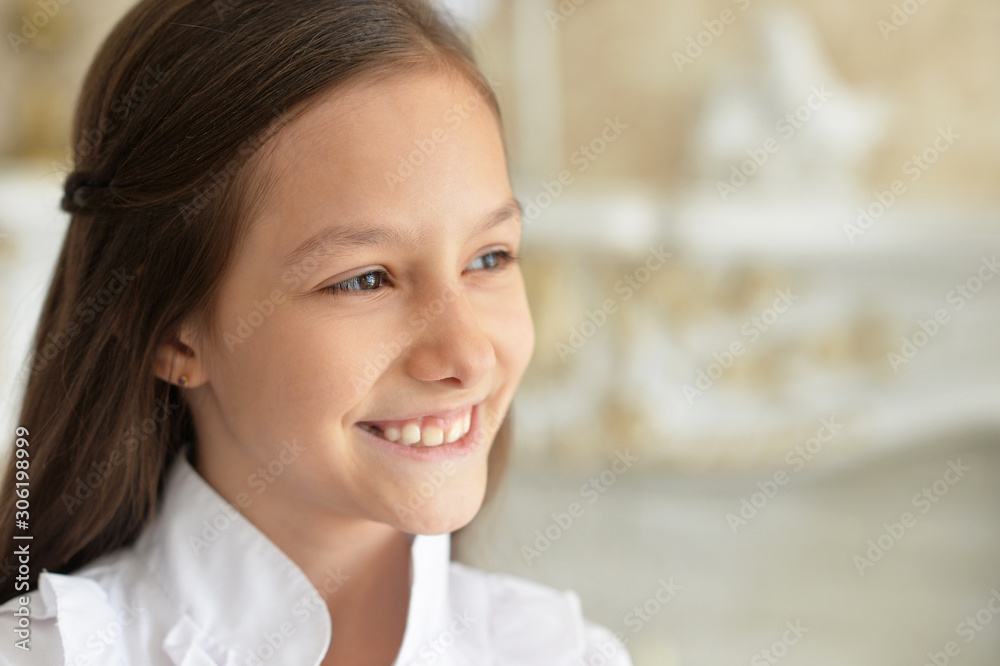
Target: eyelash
506 258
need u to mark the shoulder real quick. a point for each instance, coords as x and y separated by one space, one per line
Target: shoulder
28 632
73 618
530 623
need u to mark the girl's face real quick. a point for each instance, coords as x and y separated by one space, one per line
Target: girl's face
373 287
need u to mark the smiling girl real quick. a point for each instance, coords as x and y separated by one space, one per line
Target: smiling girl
257 450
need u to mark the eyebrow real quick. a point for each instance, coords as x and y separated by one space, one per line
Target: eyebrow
333 241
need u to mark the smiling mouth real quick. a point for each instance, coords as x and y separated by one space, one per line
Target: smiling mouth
426 432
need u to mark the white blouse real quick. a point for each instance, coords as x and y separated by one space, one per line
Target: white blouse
202 586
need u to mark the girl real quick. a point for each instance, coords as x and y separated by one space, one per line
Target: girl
292 325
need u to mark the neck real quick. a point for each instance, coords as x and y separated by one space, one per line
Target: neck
360 568
355 565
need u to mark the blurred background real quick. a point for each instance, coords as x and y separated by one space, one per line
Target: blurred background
762 419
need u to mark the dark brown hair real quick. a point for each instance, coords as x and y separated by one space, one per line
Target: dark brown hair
173 112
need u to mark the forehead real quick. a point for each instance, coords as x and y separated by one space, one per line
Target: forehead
416 146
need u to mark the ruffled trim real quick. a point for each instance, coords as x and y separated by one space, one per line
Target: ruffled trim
188 645
94 636
527 624
91 636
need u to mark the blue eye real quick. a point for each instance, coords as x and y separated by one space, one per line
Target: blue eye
502 258
373 280
370 281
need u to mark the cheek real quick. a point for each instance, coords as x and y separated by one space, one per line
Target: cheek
319 367
515 334
289 370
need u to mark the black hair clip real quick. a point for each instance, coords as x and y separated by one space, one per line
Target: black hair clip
80 194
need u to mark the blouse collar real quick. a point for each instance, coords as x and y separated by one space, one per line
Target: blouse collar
243 602
243 597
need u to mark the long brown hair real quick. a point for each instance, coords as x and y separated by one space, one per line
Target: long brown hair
173 112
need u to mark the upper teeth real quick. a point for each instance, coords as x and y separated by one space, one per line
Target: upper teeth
412 434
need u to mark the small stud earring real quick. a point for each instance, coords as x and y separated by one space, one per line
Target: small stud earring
182 380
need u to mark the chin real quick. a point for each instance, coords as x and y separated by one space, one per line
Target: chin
446 510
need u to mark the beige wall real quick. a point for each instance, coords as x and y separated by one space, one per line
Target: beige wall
942 67
42 74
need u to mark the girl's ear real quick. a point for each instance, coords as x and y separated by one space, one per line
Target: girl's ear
176 358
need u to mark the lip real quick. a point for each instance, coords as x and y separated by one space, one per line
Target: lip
469 443
415 417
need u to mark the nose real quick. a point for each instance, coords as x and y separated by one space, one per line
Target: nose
450 342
